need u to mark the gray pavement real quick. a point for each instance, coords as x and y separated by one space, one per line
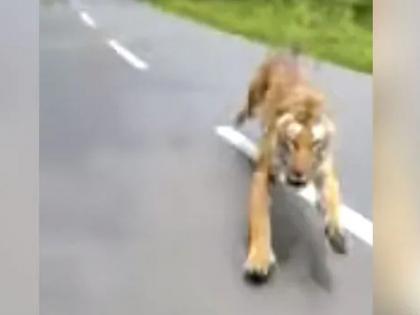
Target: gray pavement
143 208
19 158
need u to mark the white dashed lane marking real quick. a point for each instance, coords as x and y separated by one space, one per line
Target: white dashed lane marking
87 19
127 55
121 51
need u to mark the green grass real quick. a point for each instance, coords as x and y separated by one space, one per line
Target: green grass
336 30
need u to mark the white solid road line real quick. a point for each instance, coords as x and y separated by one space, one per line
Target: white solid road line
353 221
87 19
127 55
238 140
357 224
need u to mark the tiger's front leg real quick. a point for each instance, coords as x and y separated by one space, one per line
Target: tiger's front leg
260 254
327 185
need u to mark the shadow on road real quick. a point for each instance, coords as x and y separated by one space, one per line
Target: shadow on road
298 228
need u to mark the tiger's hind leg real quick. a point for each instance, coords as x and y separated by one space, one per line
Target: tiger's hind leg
256 95
247 111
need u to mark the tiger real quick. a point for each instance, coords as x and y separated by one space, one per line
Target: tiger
295 147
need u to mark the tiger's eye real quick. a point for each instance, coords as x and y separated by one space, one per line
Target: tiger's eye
316 144
288 145
293 144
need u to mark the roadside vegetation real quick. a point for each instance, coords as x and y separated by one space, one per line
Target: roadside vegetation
339 31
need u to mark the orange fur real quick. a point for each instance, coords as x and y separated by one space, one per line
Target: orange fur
280 95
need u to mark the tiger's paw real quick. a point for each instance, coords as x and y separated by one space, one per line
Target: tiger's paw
259 264
337 239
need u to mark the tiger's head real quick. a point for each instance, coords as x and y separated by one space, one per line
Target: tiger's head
303 146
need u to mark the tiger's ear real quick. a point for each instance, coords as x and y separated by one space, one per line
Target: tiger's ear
282 126
329 129
283 120
329 126
323 130
320 131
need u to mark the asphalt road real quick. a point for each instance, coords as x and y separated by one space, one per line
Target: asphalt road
143 208
19 158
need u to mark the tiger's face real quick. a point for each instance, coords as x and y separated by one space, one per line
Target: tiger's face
302 148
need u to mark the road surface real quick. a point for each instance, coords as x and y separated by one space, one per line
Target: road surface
143 208
19 158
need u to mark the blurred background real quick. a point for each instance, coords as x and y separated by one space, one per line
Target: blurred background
19 240
396 171
336 30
